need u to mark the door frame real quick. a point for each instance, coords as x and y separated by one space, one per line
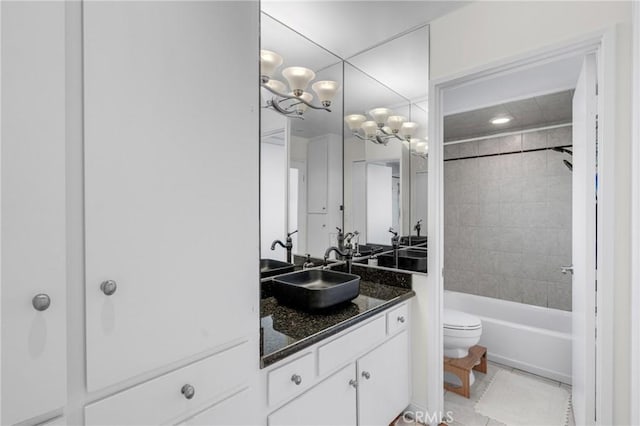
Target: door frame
635 220
603 43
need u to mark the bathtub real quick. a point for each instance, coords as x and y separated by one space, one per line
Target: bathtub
530 338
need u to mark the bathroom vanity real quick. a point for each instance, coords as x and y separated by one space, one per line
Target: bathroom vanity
354 357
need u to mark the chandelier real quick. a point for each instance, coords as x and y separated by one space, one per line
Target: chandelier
382 128
293 101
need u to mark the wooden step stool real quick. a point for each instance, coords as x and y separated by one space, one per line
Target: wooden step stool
461 367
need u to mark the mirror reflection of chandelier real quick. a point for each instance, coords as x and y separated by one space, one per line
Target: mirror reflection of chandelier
293 101
382 128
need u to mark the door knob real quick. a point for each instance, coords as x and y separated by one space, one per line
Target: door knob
401 319
353 383
108 287
567 269
188 391
41 302
296 379
366 375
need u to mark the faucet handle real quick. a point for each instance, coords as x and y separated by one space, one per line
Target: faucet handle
395 234
291 233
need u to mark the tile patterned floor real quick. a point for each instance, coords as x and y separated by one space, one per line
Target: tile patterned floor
463 410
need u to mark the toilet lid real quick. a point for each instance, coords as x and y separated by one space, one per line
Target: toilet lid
458 320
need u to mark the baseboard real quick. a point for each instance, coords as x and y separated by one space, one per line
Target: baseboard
543 372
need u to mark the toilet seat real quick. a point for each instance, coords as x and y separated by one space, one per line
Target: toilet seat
460 321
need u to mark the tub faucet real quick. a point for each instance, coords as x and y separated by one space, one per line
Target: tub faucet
288 246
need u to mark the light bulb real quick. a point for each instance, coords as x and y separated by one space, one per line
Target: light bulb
298 78
395 122
325 90
380 115
269 62
354 121
369 128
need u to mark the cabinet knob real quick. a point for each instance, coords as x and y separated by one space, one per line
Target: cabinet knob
41 302
108 287
296 379
401 319
188 391
353 383
366 375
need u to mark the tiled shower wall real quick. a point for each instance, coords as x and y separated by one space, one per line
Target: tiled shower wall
508 218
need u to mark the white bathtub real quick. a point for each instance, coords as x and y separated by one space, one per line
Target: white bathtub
531 338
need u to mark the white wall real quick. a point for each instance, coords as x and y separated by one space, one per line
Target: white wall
484 32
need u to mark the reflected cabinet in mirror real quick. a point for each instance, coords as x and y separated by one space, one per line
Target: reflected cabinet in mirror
350 173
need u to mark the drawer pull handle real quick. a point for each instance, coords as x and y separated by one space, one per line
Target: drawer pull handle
41 302
296 379
108 287
353 383
188 391
366 375
401 319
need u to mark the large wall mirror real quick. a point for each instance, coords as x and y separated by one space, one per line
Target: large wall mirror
322 178
301 155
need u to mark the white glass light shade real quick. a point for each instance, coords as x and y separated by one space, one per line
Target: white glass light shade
422 147
408 129
277 85
354 121
325 90
269 62
387 130
298 78
395 122
380 115
369 128
301 107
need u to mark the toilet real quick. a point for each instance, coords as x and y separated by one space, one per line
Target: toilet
461 331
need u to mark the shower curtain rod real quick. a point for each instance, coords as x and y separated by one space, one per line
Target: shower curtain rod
510 152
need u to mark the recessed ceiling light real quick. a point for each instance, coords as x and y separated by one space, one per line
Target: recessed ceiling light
501 120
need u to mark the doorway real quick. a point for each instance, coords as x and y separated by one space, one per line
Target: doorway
591 360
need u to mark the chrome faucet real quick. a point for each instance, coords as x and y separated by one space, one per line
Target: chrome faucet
288 246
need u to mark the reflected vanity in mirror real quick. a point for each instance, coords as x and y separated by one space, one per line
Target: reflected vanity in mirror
351 175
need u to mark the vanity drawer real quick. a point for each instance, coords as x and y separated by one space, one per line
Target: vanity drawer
161 400
344 349
398 319
288 380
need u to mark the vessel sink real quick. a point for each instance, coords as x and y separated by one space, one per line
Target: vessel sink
411 260
413 240
315 289
271 267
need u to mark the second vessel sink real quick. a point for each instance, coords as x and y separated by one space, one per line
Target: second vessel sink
271 267
315 289
411 260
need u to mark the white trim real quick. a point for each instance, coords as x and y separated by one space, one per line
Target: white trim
515 132
602 42
635 221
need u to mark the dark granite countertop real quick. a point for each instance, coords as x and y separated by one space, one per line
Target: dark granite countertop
284 330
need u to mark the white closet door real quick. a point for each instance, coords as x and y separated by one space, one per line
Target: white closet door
171 168
33 209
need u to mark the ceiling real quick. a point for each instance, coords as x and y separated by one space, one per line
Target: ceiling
530 113
347 28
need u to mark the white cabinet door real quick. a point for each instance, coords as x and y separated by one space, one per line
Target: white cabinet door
319 239
171 169
331 403
317 174
33 209
385 382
